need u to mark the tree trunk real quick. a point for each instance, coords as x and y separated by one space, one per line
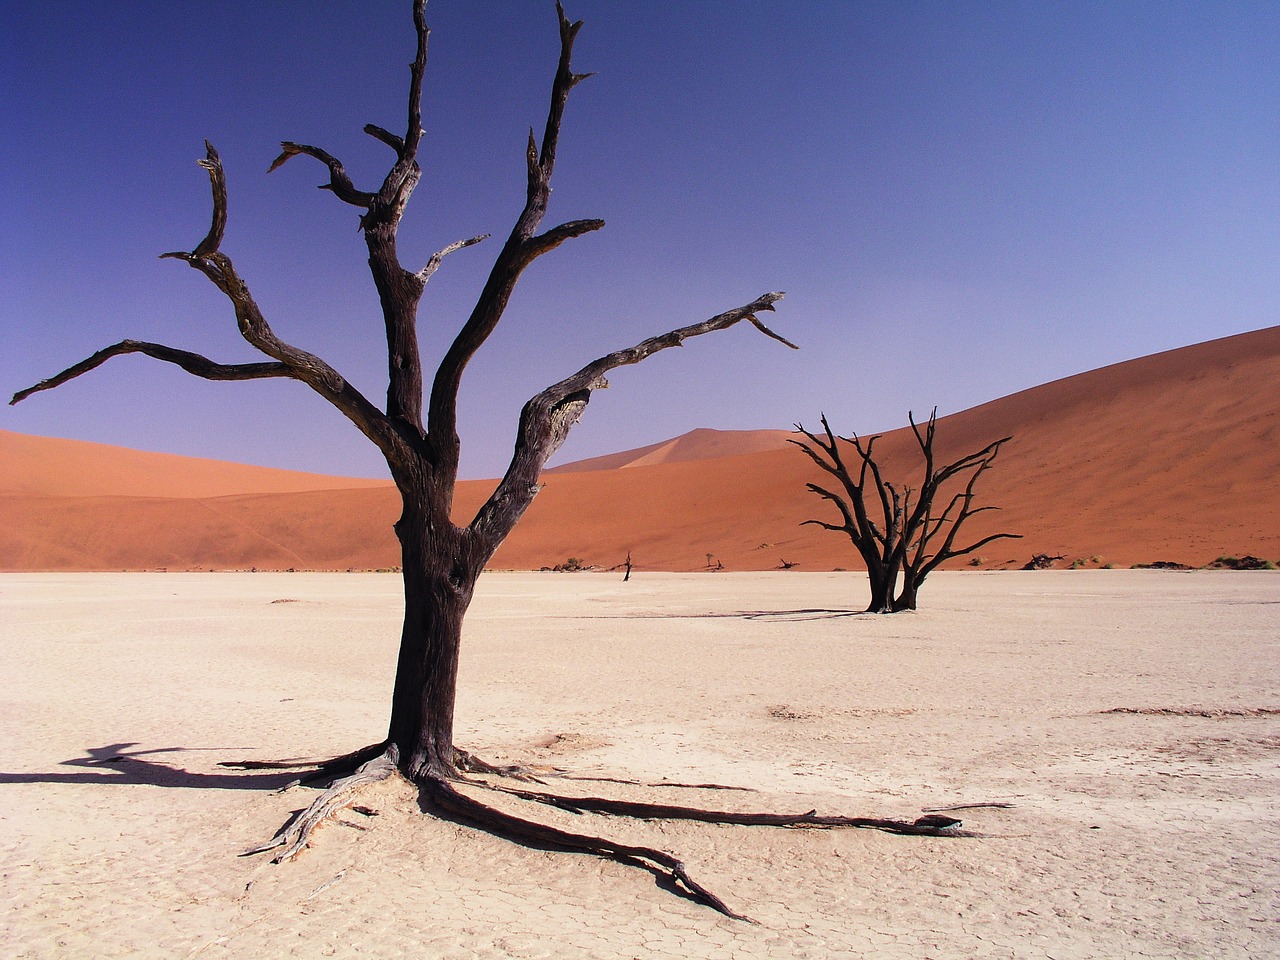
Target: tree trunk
438 584
882 584
907 597
881 597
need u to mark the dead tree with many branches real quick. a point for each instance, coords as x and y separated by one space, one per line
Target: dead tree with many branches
897 530
442 559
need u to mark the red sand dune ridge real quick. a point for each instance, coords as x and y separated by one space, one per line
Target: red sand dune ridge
47 467
701 444
1169 457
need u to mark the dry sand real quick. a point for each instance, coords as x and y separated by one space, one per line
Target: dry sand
1172 457
1151 832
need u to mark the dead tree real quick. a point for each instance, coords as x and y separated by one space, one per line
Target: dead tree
896 530
441 559
1043 561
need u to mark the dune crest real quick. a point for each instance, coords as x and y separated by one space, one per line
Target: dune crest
700 444
51 467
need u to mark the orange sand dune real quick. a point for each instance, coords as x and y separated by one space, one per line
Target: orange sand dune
700 444
48 467
1169 457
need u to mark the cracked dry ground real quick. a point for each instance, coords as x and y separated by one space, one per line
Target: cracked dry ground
1128 718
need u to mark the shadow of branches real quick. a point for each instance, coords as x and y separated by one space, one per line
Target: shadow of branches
115 764
809 613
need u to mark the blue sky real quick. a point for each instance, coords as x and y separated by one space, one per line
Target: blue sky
961 200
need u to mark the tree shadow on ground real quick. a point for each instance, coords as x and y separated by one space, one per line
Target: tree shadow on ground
809 613
116 765
806 614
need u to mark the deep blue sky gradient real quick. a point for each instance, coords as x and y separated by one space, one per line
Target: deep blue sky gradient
961 200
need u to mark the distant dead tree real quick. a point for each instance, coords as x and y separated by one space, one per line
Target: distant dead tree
442 560
897 530
1042 561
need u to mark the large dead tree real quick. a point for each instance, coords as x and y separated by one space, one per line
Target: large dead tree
442 559
897 530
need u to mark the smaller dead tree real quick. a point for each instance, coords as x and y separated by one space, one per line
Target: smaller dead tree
897 530
1043 561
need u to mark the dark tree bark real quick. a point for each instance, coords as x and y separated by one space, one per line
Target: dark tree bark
441 560
897 531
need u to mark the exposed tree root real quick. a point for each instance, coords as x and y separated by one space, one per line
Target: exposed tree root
439 796
294 836
464 762
346 764
469 763
330 770
932 825
987 804
676 784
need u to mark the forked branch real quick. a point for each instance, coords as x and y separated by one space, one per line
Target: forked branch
547 418
339 182
289 361
523 246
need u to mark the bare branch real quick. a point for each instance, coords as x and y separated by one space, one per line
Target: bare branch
339 183
866 537
552 238
982 458
965 499
413 129
218 183
813 454
193 363
984 541
883 488
932 564
850 525
307 367
825 525
925 442
592 375
565 81
434 263
755 322
289 360
522 247
547 418
386 136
